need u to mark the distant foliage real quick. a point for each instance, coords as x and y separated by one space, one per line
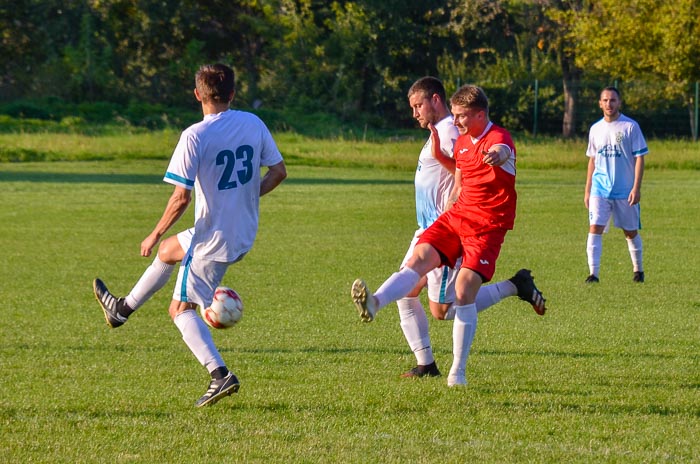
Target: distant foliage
355 60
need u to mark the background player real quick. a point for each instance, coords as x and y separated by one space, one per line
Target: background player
616 151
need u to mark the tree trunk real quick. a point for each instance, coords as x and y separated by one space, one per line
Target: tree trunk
572 78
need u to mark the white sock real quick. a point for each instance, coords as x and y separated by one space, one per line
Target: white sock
594 249
414 324
396 286
635 247
463 332
198 339
491 294
153 279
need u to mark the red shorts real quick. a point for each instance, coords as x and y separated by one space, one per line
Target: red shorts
454 237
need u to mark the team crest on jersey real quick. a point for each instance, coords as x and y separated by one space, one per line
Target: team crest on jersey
619 137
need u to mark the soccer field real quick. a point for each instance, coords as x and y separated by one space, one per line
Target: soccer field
610 374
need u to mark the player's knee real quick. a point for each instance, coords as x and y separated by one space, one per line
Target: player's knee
170 251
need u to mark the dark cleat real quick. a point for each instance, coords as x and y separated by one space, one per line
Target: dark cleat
428 370
109 303
218 388
527 291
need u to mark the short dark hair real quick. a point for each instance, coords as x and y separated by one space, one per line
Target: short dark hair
215 83
470 96
611 88
429 86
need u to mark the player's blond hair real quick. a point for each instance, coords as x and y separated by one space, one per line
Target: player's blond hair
470 96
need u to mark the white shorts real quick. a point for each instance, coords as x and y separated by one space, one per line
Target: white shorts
197 278
624 216
441 280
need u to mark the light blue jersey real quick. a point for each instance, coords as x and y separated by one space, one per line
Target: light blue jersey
433 182
615 146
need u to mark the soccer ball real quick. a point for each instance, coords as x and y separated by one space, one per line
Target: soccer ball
226 309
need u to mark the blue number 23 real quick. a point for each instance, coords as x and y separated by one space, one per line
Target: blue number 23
228 159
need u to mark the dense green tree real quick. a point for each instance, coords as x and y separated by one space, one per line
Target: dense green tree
656 39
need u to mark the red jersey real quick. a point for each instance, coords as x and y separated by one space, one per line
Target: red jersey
488 196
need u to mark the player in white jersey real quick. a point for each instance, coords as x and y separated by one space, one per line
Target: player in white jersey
616 151
433 183
221 159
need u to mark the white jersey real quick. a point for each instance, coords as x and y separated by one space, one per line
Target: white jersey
615 146
433 182
220 157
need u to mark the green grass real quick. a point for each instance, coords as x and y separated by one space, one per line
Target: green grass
397 153
610 374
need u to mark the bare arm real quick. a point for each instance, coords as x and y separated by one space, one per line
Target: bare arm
589 181
636 193
497 155
177 205
273 177
445 160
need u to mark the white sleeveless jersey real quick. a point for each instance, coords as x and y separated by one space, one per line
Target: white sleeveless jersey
433 182
221 158
615 146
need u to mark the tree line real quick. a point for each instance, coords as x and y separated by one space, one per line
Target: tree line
356 59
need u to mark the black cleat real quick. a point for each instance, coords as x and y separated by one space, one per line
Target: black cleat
591 279
218 388
428 370
527 291
109 303
638 277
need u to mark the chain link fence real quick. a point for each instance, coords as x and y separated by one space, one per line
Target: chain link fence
537 107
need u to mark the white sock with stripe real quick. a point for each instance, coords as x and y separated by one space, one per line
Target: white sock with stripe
198 339
488 296
153 279
396 286
414 324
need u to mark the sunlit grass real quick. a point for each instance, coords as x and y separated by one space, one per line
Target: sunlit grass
392 153
610 374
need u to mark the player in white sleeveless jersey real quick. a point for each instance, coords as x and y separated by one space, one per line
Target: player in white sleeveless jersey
221 159
616 151
433 184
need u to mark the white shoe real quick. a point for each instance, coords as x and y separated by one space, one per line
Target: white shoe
363 300
455 380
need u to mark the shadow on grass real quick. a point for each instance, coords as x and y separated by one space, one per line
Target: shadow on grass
72 178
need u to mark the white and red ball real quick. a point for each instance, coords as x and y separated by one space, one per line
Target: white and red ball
226 309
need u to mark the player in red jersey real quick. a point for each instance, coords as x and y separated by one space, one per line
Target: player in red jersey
483 210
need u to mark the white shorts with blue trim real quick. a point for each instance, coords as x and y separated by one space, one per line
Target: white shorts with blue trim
197 278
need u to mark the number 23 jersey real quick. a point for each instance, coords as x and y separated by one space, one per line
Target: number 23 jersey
221 158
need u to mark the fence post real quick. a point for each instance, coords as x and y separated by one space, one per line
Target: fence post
534 116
